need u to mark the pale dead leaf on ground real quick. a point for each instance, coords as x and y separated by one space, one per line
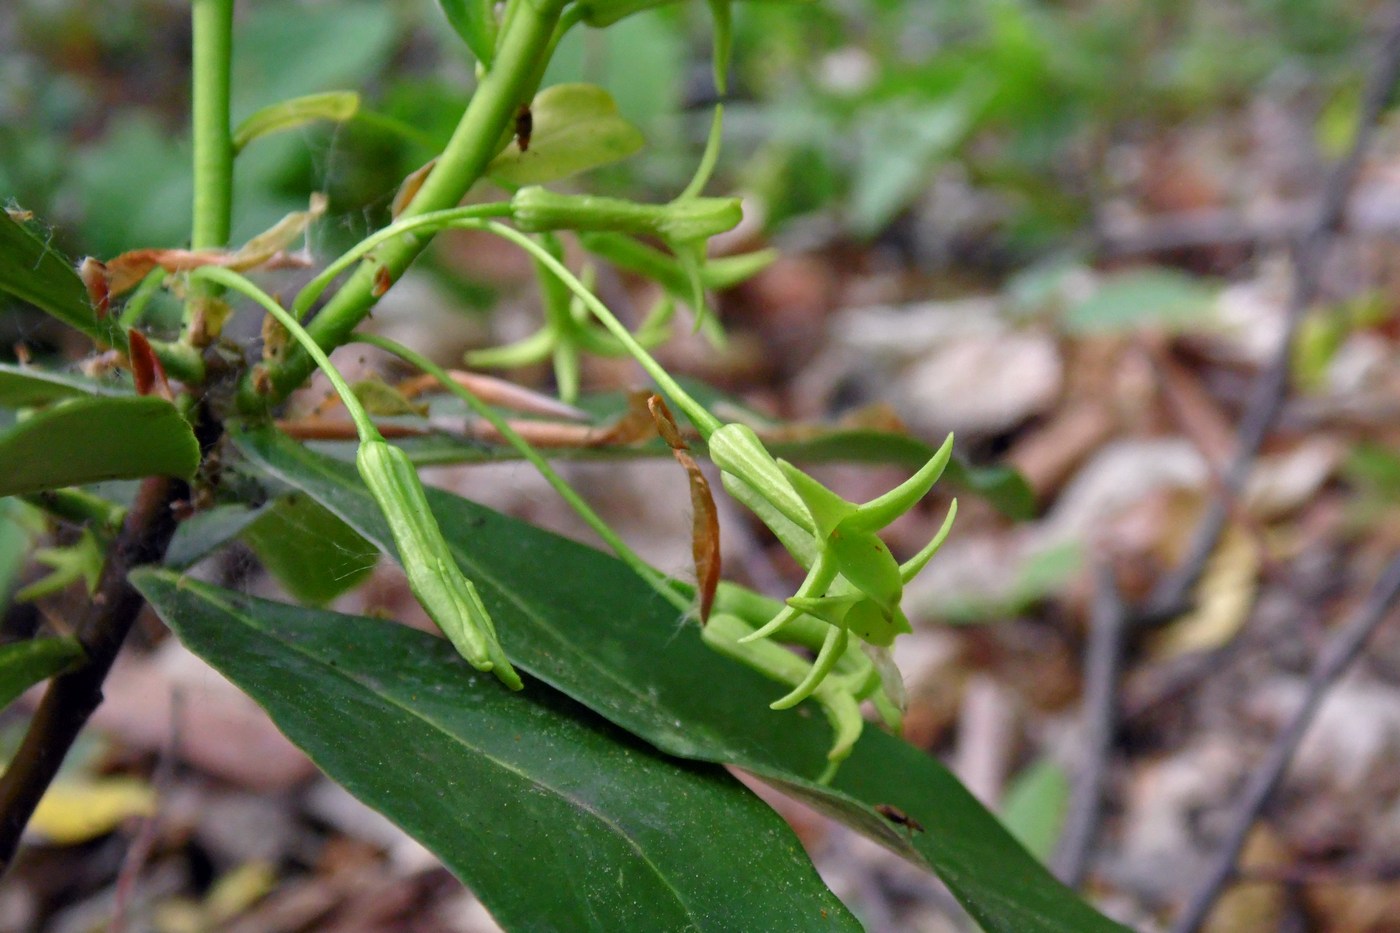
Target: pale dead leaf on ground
1224 600
981 385
1282 483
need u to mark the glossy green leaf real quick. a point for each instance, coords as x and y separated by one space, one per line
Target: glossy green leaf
576 127
313 554
474 21
555 819
87 440
34 272
24 663
27 386
333 106
1035 806
582 622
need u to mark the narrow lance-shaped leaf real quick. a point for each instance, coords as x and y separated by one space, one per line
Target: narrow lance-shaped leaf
584 623
87 440
23 664
556 819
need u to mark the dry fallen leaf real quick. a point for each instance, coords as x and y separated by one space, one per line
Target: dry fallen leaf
76 810
1224 599
704 539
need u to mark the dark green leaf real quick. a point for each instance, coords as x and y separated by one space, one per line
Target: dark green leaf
23 664
582 622
576 127
26 386
475 23
86 440
315 555
33 272
556 819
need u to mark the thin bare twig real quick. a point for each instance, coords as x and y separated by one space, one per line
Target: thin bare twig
1337 655
1271 387
1107 624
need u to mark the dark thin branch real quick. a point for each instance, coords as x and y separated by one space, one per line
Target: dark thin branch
1271 387
72 697
1101 666
1341 650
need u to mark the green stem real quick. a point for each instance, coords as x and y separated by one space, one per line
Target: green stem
705 422
620 547
232 280
212 27
423 223
212 23
474 143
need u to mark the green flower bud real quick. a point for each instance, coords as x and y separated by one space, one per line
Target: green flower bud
537 210
435 579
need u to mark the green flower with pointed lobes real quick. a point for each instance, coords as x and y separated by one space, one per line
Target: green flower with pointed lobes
847 547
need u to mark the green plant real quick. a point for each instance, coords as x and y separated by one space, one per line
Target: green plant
602 759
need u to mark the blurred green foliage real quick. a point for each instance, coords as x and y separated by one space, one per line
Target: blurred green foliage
862 103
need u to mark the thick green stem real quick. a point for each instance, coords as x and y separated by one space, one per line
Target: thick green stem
489 115
212 23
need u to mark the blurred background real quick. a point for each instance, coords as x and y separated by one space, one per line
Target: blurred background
1060 230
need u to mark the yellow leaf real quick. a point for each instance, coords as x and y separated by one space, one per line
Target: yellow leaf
238 890
1223 600
80 809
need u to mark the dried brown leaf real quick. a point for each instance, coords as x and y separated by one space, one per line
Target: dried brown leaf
146 369
704 532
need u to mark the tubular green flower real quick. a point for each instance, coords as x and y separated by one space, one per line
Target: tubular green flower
686 220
